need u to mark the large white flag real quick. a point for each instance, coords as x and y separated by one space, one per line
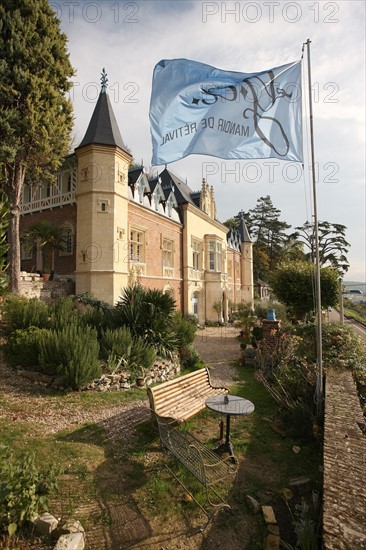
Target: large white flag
198 109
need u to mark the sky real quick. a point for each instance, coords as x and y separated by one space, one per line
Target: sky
129 38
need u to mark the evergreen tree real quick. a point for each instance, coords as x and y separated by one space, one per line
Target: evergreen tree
268 233
333 246
35 115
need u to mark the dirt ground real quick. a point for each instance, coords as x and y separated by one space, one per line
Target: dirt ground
129 523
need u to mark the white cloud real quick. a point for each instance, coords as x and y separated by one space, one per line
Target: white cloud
129 38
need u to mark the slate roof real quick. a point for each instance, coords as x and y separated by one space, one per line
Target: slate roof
181 190
103 128
243 230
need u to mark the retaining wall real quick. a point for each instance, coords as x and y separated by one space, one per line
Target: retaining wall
344 517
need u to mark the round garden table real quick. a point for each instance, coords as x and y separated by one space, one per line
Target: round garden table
230 405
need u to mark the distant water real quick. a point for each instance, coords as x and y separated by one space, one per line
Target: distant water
354 285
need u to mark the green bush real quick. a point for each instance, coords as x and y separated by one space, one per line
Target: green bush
149 315
62 313
142 356
261 308
24 488
189 358
72 353
22 347
185 330
116 342
20 313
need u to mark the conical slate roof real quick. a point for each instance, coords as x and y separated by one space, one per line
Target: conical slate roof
103 128
243 230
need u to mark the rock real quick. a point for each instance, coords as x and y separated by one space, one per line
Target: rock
273 529
71 541
46 523
273 542
278 429
253 504
69 527
269 515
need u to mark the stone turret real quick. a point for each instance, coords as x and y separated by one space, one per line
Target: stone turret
246 246
102 205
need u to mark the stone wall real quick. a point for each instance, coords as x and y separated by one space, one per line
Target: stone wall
344 518
33 286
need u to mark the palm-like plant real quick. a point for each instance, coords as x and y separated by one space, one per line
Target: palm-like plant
48 237
149 313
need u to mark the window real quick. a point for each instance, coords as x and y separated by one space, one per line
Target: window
211 248
67 245
168 250
215 256
137 245
27 250
218 257
196 255
103 205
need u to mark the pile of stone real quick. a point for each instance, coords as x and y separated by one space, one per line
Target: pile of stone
161 371
70 535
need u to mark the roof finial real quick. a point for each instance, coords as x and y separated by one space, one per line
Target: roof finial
103 81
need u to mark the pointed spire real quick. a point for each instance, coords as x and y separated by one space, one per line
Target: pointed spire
103 82
243 230
103 128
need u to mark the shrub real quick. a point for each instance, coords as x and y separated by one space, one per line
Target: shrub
116 342
20 313
261 308
142 356
24 488
72 353
190 358
149 315
184 329
62 313
22 347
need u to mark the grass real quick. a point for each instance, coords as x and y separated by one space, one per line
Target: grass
107 483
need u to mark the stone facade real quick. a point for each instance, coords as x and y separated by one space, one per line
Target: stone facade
126 228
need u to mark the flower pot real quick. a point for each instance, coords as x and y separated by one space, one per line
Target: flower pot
46 276
140 381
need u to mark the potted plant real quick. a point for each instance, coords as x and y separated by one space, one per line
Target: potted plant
140 375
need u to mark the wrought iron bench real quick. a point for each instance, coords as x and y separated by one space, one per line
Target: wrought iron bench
205 465
183 397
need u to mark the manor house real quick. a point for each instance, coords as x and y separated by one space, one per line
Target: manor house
124 228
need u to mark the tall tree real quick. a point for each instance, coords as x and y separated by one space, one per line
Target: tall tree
333 246
35 115
268 233
293 283
4 222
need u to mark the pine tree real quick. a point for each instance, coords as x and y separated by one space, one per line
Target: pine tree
268 232
35 115
333 246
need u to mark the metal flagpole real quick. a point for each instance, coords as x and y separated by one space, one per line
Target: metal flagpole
319 385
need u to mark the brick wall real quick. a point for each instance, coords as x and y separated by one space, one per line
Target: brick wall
156 228
64 265
344 517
